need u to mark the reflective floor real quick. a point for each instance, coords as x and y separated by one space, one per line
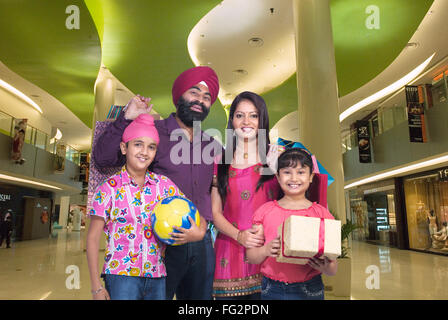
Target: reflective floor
56 268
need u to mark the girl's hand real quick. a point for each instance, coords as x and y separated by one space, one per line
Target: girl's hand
250 238
325 265
101 295
272 249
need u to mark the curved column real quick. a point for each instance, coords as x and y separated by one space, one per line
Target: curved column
104 97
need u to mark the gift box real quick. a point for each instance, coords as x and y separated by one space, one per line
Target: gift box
302 238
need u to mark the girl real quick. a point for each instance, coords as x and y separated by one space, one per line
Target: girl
239 189
285 281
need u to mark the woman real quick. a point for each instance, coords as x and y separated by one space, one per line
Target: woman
239 188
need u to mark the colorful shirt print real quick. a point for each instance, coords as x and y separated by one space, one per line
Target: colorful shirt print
132 248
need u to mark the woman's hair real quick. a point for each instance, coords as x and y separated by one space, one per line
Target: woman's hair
291 157
263 124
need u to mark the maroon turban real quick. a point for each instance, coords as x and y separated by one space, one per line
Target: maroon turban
193 76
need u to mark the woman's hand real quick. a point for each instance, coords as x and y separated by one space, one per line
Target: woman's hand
272 156
137 106
250 238
325 265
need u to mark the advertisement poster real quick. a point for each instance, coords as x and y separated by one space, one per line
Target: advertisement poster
416 114
362 131
18 140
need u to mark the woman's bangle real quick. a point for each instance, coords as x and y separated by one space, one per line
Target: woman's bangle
238 237
94 292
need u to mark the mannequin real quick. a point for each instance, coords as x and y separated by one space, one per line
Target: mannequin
440 238
432 222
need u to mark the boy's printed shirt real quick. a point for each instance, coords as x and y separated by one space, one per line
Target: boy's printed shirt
132 247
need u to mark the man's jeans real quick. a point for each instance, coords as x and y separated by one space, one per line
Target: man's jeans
134 288
190 270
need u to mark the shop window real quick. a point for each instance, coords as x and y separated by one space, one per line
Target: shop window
387 119
373 210
375 126
439 92
41 140
5 124
427 212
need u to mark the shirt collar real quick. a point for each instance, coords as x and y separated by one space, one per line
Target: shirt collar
126 179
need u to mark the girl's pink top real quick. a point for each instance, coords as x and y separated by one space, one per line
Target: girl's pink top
271 215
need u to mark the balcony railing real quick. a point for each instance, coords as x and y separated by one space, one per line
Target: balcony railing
37 138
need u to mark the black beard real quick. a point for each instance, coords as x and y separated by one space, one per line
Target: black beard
186 115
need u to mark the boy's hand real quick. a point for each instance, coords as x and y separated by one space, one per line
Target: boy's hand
188 235
137 106
101 295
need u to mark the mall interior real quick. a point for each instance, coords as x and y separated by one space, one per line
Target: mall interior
363 84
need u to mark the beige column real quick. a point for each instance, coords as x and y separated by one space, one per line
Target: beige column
318 110
104 96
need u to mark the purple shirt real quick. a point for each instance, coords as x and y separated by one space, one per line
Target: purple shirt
188 164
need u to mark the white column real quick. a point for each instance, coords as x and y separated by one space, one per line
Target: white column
63 210
318 110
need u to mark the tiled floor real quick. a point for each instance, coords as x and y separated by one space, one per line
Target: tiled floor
47 269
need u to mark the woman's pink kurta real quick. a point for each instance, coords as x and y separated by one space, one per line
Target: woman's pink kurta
233 275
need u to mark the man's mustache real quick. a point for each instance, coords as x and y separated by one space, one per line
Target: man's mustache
196 102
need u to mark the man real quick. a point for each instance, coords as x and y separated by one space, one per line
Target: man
190 267
6 227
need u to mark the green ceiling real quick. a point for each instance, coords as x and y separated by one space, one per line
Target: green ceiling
37 45
144 44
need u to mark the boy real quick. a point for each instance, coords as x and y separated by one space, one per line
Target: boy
133 268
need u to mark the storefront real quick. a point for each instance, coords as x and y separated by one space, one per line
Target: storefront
373 208
426 198
31 210
408 212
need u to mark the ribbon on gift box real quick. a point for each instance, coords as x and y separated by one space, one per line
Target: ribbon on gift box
321 244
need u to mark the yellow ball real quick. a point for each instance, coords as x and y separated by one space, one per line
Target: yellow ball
172 211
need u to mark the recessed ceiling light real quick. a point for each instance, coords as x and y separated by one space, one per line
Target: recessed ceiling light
240 72
256 42
412 45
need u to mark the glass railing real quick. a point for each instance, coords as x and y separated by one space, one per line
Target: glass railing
37 138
